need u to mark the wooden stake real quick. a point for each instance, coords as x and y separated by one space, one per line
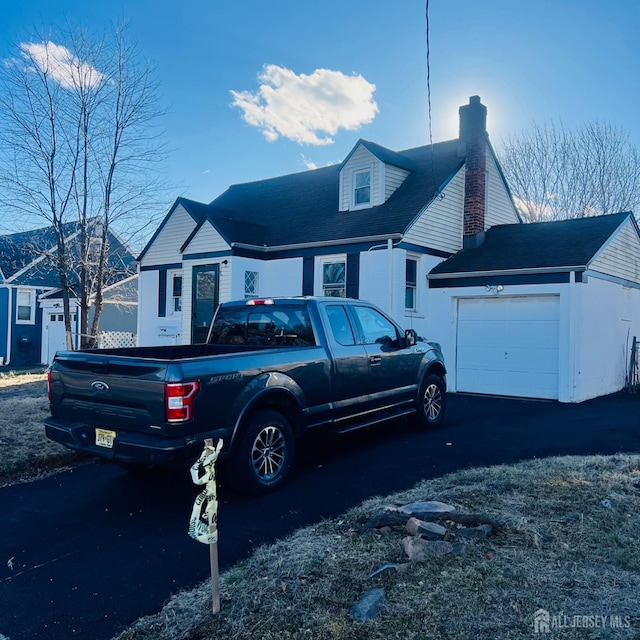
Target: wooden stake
215 573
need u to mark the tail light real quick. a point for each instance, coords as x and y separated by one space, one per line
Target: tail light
179 400
49 384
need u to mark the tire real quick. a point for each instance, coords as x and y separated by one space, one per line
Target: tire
432 401
264 456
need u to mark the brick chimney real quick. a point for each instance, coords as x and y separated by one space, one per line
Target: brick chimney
473 139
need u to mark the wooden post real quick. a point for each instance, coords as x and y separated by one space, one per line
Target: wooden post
215 573
213 547
203 525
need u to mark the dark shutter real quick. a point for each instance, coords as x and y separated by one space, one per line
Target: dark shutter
307 276
162 293
353 275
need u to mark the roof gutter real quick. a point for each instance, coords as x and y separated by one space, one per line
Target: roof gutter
504 272
314 245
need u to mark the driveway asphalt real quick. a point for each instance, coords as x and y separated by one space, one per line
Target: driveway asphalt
85 552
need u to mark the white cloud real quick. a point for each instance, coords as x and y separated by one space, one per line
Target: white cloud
56 60
307 162
307 109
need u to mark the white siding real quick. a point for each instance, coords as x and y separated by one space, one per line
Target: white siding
500 209
440 225
394 177
361 159
276 277
609 316
206 239
621 257
166 247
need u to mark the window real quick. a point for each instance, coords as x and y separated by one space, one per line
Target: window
175 292
375 327
334 278
411 284
26 307
361 188
94 249
251 284
340 326
269 326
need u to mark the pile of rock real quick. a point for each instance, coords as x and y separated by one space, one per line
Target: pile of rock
433 528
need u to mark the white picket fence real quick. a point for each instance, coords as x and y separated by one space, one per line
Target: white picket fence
116 339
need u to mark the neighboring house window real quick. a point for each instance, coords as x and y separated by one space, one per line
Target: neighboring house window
175 292
95 246
334 278
411 284
251 279
26 307
361 188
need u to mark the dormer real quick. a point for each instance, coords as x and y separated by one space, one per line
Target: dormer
369 175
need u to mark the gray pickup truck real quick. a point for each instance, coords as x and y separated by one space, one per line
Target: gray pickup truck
270 371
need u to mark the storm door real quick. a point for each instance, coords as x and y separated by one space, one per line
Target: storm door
204 300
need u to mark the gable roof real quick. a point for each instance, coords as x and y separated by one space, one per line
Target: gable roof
383 154
27 258
302 208
19 250
565 243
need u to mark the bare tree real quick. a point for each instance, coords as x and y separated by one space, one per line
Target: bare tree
81 149
555 173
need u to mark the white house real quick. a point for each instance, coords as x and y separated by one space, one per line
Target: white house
403 229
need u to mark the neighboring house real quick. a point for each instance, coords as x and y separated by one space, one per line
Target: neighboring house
31 316
402 229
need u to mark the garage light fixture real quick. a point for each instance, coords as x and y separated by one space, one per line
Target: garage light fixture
494 289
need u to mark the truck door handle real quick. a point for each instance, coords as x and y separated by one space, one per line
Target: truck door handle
375 359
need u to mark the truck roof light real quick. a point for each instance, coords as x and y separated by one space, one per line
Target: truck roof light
256 301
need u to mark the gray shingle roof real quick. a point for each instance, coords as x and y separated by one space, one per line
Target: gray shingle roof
303 207
566 243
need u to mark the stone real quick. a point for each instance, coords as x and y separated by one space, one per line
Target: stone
368 606
429 530
418 549
476 533
426 507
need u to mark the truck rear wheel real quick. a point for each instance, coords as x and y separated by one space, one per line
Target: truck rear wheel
431 401
265 454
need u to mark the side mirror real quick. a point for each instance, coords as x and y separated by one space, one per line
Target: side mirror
411 337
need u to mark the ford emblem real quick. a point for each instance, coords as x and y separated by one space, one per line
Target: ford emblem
98 385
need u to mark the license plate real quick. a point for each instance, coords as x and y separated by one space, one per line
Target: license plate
105 438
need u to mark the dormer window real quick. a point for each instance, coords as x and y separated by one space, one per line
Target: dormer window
362 188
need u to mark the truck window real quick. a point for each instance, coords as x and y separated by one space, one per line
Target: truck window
263 326
375 327
340 326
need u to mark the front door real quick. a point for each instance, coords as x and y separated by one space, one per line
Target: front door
204 300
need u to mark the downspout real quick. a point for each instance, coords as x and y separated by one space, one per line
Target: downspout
391 284
9 328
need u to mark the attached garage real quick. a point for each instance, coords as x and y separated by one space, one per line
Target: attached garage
544 310
509 346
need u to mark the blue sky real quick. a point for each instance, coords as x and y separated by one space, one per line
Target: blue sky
257 89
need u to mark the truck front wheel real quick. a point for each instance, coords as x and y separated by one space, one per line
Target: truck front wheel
265 454
431 401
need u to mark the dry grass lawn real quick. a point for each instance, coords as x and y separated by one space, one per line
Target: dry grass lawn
569 545
25 452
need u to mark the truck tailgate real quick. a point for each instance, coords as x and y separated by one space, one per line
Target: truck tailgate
122 393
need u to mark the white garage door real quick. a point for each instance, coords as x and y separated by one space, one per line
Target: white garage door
509 346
